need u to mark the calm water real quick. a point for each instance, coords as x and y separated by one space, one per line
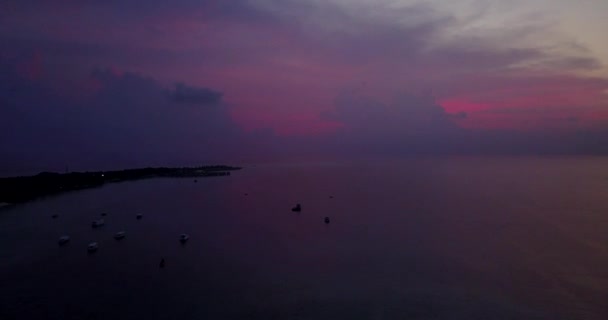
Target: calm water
450 238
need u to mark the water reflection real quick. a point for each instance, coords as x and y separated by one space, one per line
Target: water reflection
452 238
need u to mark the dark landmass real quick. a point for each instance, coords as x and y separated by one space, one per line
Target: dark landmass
22 189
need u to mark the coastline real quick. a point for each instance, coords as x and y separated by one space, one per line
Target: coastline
15 190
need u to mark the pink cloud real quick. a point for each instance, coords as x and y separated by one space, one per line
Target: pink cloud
279 70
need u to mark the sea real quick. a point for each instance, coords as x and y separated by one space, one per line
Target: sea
410 238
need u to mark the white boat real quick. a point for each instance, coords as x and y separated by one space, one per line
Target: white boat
98 223
119 235
183 238
93 246
63 240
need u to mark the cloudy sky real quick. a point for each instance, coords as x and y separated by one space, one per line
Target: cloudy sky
89 82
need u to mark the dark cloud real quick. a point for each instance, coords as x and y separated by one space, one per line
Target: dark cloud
134 9
408 124
194 95
407 39
414 124
275 51
126 121
406 115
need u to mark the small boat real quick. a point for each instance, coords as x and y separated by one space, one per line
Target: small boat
92 247
183 238
139 216
297 208
326 220
98 223
103 214
119 235
63 240
55 216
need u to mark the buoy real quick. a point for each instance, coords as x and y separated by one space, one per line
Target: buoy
98 223
92 247
63 240
183 238
162 263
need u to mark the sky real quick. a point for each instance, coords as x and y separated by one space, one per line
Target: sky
89 83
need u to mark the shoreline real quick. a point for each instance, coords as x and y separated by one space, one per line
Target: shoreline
14 190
